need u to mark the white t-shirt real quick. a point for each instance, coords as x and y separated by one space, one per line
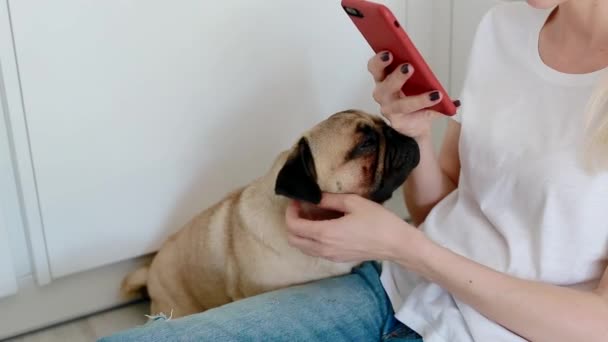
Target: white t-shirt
524 205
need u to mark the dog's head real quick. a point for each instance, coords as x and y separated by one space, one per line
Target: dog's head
350 152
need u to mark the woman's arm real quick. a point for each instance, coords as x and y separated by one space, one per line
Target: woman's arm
536 311
433 178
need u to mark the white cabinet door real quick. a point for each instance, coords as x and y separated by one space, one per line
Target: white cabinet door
8 278
140 113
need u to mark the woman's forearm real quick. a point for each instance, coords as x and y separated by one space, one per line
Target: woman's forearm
427 184
536 311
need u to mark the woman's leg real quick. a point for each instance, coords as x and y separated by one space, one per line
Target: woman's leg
353 307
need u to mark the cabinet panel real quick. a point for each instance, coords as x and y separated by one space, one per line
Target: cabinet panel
8 277
141 113
13 250
12 237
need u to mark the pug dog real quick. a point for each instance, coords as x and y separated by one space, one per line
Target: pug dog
238 247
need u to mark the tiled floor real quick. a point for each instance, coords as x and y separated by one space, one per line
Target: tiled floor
91 328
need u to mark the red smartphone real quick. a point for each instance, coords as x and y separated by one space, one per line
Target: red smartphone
384 33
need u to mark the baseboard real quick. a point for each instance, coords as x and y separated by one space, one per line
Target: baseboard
64 299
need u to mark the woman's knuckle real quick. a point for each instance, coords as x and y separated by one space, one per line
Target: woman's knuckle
370 65
412 104
404 105
394 82
377 94
319 235
385 110
424 101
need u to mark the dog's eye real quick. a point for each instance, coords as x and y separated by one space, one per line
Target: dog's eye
369 143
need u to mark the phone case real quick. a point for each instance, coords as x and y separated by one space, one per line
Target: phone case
383 32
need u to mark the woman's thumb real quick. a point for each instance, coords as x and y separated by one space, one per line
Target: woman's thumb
339 202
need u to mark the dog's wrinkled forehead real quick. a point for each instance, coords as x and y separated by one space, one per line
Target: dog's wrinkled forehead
353 116
339 132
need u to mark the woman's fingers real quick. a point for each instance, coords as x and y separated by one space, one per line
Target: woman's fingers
395 81
390 89
411 104
377 65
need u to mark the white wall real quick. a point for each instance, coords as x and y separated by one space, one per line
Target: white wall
43 77
139 114
135 115
34 24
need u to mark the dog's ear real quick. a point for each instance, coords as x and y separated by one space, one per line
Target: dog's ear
297 179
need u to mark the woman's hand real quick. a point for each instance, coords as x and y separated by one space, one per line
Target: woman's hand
366 231
407 114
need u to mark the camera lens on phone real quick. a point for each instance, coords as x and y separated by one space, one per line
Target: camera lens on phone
353 11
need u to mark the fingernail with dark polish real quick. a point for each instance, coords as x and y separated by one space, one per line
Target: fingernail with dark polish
405 68
456 103
434 96
385 56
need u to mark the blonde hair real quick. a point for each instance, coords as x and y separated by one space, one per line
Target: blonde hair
596 134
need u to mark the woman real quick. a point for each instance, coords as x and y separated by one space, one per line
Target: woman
513 238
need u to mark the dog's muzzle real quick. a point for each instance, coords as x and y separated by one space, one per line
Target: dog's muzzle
401 156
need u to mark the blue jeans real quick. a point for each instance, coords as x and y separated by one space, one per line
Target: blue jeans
349 308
